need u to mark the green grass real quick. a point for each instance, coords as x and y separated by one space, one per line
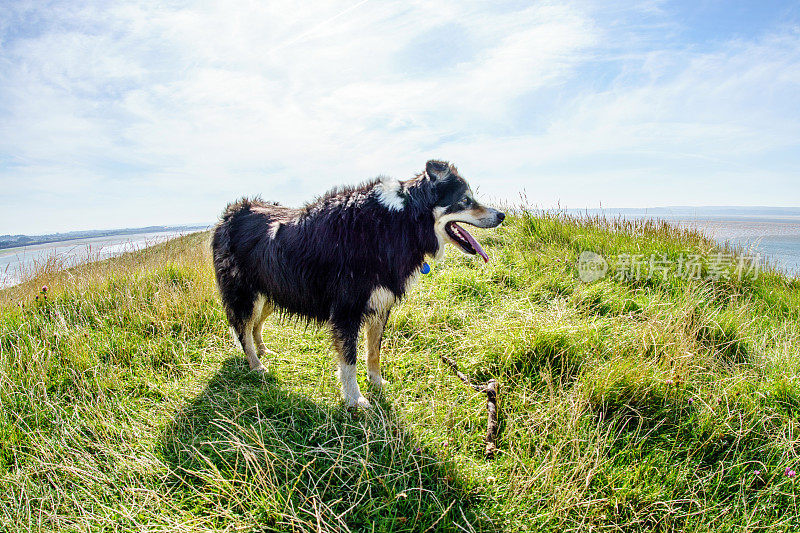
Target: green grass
627 404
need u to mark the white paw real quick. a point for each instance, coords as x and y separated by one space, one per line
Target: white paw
359 402
377 380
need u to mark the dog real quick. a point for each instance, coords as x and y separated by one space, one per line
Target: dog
343 260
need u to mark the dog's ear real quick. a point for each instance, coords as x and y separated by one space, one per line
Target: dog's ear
437 170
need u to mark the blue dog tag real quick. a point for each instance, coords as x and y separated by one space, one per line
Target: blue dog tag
425 268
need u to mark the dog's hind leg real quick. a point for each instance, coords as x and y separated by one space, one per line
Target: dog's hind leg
262 349
248 336
345 340
374 336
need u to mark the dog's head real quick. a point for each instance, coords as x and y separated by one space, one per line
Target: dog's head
454 203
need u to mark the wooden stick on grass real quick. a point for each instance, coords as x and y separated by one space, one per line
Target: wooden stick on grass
492 390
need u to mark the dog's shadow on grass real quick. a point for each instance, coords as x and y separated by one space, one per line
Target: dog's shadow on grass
248 451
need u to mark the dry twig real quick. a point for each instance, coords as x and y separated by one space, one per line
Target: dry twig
492 390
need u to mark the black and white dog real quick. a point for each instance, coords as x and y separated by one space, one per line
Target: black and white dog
344 259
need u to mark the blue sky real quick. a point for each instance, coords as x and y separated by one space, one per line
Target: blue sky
129 114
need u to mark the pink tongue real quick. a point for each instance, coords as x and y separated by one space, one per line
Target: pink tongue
464 233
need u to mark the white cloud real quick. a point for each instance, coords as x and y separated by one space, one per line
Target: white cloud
173 111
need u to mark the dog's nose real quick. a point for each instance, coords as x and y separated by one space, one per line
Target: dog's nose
501 216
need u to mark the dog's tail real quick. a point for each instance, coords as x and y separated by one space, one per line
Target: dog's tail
221 240
225 265
226 269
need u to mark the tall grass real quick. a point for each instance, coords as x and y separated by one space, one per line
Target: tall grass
628 404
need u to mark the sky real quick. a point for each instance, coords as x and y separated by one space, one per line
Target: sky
157 112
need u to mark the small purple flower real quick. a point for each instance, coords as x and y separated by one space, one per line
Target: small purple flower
44 288
757 472
790 472
417 450
691 401
669 382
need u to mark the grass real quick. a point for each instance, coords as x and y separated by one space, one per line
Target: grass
628 404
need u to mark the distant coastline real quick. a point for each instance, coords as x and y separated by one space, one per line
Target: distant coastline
15 241
29 254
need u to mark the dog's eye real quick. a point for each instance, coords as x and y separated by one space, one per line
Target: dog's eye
466 201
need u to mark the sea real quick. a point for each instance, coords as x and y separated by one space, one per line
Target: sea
15 262
777 241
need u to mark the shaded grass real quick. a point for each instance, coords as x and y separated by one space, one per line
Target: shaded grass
628 404
289 462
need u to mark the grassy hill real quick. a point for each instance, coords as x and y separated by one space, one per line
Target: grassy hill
633 403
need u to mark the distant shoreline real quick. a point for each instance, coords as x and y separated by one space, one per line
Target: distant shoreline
15 261
17 241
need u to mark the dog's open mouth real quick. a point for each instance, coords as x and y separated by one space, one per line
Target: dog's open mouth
466 241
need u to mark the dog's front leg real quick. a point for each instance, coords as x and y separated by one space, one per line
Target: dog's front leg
345 340
374 336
